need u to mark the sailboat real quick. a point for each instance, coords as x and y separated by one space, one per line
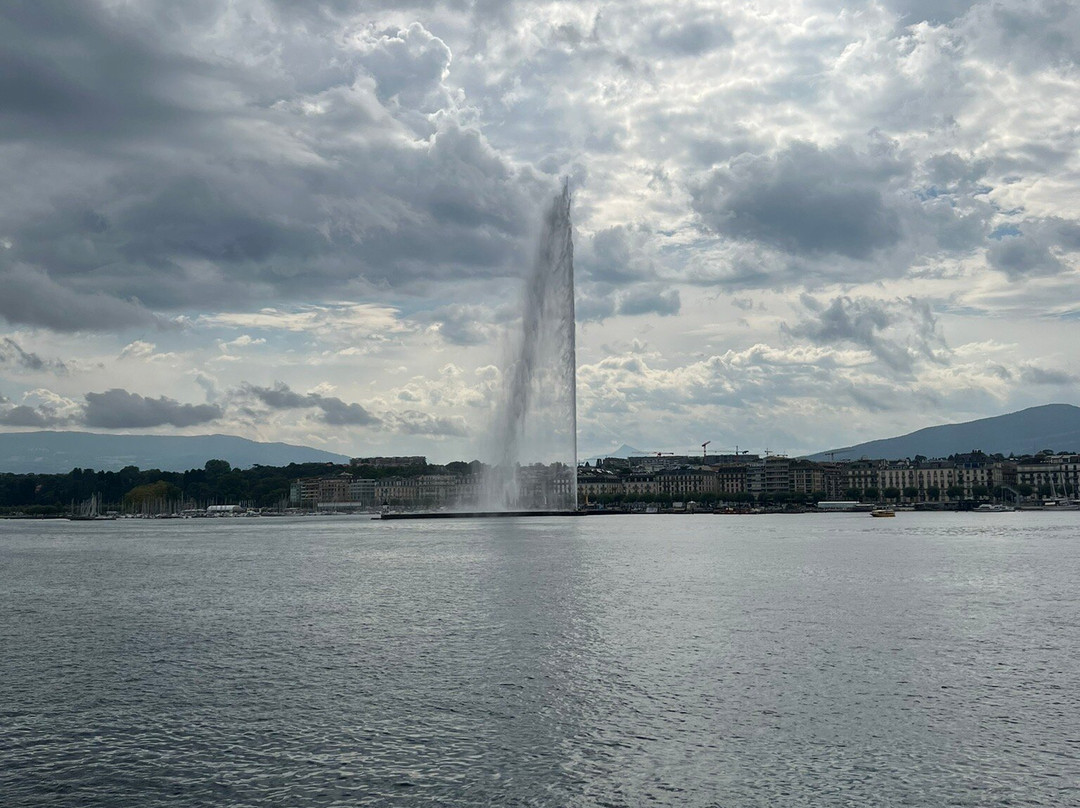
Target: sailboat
1061 503
89 510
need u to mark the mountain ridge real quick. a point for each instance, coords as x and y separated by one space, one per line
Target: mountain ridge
57 452
1047 426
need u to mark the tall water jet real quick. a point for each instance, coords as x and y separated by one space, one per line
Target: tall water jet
536 426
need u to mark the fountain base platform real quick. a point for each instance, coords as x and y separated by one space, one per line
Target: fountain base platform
477 514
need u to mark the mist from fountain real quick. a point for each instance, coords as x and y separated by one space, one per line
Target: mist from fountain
535 435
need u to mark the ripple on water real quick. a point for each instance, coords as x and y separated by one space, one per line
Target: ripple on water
621 661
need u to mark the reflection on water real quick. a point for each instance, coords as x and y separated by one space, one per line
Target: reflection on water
698 660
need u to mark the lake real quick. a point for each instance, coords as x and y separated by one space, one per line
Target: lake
835 659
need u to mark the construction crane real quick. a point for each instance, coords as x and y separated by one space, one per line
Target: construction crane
657 454
706 443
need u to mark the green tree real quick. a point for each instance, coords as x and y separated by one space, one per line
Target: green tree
215 468
892 492
933 492
151 494
871 493
954 491
980 491
911 492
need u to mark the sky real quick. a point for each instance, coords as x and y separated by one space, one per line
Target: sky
798 225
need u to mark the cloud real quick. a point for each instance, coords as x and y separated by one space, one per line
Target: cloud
334 410
1032 374
12 353
1035 247
31 297
409 66
691 32
896 332
650 300
119 409
209 172
461 323
23 415
413 422
621 254
805 199
340 413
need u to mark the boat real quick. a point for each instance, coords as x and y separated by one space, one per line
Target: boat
883 512
987 507
88 511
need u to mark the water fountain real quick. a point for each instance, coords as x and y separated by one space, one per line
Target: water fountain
537 420
534 438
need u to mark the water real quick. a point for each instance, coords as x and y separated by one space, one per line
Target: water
598 661
537 418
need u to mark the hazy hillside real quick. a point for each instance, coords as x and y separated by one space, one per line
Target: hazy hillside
58 452
1051 426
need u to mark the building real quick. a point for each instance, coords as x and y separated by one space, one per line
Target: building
342 490
1051 476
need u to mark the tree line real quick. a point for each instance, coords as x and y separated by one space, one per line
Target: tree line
216 483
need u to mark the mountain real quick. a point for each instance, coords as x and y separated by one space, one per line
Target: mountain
622 451
1051 426
59 452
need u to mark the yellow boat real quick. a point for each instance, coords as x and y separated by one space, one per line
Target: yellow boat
883 512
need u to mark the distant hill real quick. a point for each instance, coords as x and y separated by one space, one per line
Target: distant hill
59 452
1051 426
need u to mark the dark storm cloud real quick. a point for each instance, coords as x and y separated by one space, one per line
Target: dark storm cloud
119 409
805 200
896 332
334 410
210 174
31 297
74 72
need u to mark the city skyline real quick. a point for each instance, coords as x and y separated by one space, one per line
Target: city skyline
797 225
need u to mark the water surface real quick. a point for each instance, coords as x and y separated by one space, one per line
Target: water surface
616 661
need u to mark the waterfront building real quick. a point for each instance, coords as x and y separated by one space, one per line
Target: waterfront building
340 490
730 478
808 477
687 483
1054 476
599 484
769 476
